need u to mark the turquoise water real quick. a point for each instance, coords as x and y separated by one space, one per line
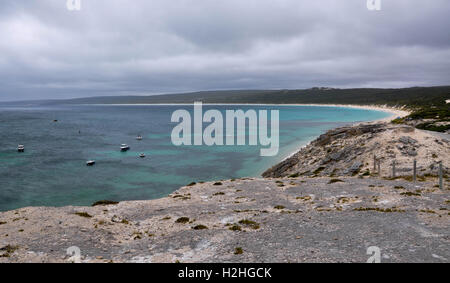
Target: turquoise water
52 170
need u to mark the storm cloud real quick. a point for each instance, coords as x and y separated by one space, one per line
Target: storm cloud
142 47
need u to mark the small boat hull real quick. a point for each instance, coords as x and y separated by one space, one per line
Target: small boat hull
124 147
90 163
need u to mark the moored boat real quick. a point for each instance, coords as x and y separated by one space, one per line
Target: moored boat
124 147
142 155
139 138
20 148
90 163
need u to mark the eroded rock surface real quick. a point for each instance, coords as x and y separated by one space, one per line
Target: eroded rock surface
272 220
349 151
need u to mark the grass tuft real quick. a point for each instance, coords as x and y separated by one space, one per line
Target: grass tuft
83 214
238 251
252 224
199 227
410 194
235 227
182 220
8 250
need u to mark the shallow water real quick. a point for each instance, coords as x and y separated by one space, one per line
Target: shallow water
52 170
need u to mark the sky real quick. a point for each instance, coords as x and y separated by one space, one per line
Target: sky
145 47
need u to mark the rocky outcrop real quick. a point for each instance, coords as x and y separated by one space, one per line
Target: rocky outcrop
349 151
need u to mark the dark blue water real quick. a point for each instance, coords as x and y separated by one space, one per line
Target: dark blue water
52 170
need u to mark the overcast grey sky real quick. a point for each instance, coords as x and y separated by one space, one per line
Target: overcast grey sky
123 47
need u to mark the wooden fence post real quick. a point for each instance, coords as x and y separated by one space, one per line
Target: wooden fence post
374 162
415 171
393 169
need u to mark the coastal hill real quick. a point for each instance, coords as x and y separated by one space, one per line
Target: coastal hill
428 105
415 96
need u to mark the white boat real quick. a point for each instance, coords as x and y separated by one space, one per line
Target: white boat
20 148
124 147
142 155
139 138
90 162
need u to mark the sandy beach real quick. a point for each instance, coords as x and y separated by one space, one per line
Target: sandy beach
396 112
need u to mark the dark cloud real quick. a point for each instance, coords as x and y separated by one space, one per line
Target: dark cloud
117 47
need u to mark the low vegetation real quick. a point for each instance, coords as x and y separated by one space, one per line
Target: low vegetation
410 194
238 251
199 227
105 202
235 227
378 209
427 211
332 181
249 223
83 214
182 220
318 170
8 250
304 198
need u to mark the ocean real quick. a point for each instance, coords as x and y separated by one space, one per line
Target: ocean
52 171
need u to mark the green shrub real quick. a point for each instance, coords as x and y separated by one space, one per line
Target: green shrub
182 220
332 181
238 251
199 227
